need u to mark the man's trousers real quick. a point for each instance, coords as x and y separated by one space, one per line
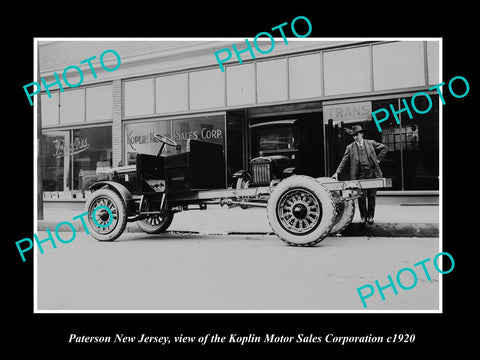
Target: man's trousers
366 202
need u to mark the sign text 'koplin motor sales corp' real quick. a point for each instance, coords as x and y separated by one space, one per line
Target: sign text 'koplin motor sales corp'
140 137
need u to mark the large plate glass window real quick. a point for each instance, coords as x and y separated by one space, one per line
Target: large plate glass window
420 145
139 138
91 151
55 161
412 161
74 159
340 117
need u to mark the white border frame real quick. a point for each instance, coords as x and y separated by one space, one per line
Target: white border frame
366 311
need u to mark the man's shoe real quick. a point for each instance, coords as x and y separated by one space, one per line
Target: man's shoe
363 221
370 221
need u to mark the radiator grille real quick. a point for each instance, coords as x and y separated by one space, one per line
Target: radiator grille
261 173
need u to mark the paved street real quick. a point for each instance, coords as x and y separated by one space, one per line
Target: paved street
231 272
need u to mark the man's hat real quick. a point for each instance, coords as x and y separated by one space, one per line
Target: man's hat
355 129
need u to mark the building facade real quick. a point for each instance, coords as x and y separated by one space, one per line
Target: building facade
176 87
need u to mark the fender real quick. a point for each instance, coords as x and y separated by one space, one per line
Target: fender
120 190
290 171
241 173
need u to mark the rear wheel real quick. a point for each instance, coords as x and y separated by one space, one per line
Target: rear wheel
345 209
156 224
107 215
301 211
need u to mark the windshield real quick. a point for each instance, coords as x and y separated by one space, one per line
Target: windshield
275 138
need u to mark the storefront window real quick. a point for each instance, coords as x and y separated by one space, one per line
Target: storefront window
390 136
139 138
420 136
275 138
55 162
340 117
91 151
72 160
412 160
205 128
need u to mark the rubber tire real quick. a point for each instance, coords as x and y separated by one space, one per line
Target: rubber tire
122 215
346 211
323 196
157 229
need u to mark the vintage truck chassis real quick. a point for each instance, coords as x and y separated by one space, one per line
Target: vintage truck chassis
301 210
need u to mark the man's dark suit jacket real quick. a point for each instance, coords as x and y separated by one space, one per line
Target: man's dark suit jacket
351 157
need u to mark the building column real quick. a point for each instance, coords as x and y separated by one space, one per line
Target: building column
117 130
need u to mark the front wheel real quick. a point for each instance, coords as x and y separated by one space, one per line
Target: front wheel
301 211
156 224
107 215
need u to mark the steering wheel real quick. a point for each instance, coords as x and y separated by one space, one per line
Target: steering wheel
165 140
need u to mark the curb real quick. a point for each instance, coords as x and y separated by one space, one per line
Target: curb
393 230
354 229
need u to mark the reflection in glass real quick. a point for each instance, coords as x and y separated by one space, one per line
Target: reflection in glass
275 138
55 162
91 150
421 153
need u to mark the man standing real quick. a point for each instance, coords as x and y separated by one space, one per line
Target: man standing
364 162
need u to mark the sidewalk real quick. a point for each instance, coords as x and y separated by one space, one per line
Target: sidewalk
390 221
